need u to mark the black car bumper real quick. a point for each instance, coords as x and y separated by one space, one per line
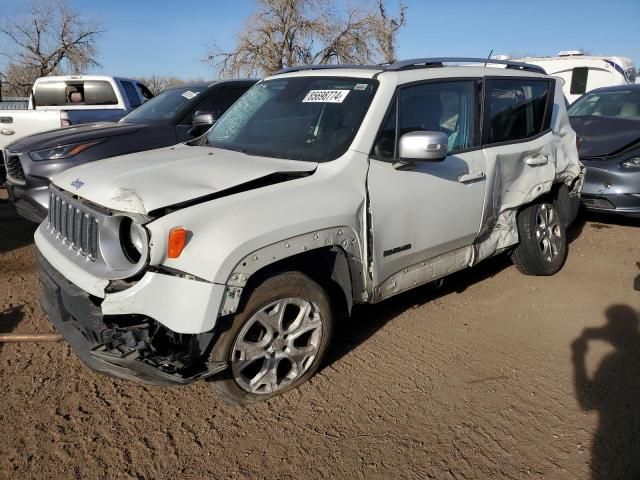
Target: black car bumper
122 346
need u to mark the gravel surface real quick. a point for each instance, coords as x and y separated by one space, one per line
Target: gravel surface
493 375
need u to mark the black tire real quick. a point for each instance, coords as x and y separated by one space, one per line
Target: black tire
288 285
568 206
542 249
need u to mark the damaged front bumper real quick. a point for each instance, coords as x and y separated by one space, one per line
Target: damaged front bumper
610 188
135 347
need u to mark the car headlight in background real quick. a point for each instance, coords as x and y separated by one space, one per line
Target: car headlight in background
133 239
63 151
632 163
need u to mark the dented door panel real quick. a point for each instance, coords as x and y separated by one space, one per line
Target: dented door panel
412 210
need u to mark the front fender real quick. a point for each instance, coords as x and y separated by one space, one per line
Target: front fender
241 233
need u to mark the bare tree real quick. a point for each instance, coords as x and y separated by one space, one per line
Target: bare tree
386 30
17 80
51 39
285 33
158 83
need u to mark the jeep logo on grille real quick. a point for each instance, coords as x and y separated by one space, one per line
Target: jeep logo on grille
77 183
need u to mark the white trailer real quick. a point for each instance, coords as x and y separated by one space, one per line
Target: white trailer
582 73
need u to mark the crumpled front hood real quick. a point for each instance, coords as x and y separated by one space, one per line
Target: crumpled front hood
143 182
601 136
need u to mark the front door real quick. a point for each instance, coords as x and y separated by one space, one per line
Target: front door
426 209
216 103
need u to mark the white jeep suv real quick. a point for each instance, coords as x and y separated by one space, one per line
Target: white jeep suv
229 258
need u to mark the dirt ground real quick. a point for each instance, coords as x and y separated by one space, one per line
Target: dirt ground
476 379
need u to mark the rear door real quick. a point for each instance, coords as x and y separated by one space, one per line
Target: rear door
427 209
518 142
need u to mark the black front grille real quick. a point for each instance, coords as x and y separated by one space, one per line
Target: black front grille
74 225
15 173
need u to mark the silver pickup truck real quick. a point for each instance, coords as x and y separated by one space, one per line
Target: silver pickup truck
231 257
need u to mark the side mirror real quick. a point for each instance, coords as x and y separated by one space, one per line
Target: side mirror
423 146
201 123
203 119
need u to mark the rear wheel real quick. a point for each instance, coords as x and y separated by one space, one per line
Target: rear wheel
543 243
567 205
277 341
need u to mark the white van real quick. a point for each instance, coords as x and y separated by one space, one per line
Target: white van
582 73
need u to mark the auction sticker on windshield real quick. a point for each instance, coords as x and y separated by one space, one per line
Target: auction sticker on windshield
325 96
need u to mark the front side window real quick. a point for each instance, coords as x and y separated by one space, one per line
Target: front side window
447 107
299 118
613 104
217 103
516 109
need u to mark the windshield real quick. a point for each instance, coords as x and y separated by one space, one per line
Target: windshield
300 118
612 104
165 106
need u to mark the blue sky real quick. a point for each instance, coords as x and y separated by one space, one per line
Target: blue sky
169 38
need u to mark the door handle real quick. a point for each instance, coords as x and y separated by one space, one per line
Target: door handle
6 119
470 177
537 160
7 131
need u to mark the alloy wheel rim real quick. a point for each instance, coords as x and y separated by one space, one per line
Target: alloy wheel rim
548 232
276 346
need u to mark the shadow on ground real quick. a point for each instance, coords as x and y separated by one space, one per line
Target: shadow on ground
10 318
602 221
614 392
368 319
16 231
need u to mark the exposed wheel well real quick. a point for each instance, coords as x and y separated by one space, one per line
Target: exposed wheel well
559 194
328 266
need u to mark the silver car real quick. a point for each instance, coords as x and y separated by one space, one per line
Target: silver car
607 122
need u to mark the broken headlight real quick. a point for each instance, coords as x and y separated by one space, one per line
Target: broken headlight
133 239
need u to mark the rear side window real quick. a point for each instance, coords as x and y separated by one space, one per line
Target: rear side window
447 107
132 94
146 93
90 92
517 109
579 78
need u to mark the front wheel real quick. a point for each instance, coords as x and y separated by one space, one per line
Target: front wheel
277 341
543 243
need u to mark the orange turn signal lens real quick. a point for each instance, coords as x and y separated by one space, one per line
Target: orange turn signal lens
177 242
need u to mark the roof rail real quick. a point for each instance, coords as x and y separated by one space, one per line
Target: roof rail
440 61
422 63
326 67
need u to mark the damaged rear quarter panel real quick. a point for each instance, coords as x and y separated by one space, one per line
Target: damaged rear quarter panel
514 183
